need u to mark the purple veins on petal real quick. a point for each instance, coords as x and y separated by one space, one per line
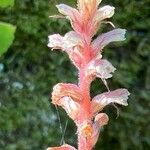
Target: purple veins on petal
115 35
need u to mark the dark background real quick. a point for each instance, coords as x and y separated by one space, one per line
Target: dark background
29 70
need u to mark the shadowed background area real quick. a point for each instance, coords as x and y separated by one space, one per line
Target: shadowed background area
29 70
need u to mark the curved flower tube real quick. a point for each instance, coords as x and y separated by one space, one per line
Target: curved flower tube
101 41
61 90
118 96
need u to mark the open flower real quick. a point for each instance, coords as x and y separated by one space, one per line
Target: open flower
61 90
101 41
100 68
118 96
68 97
71 43
72 14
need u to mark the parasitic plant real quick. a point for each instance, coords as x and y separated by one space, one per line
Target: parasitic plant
86 54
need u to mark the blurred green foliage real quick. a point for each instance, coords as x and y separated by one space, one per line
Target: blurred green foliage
29 70
6 30
6 3
7 35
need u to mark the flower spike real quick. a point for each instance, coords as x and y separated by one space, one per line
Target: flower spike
86 54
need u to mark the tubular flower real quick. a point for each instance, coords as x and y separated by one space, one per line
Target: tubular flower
118 96
86 54
100 68
66 89
63 147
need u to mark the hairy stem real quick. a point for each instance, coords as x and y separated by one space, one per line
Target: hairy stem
85 110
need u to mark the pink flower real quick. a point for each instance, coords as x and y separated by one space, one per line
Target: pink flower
68 96
118 96
86 54
101 41
100 68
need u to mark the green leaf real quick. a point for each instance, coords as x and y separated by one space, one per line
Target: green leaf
6 3
6 36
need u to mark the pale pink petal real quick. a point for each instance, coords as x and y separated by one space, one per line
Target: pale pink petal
100 68
63 147
101 119
55 41
72 14
71 107
118 96
68 97
115 35
61 90
67 11
67 42
71 43
73 39
104 13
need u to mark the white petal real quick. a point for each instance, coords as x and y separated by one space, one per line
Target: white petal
70 106
72 39
104 69
67 11
100 68
119 96
106 38
105 12
55 41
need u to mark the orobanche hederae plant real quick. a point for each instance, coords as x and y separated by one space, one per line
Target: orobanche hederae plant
86 54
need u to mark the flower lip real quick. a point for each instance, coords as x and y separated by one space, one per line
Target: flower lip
112 36
61 90
119 96
105 12
100 68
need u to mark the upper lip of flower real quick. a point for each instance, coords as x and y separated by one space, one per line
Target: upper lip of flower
119 96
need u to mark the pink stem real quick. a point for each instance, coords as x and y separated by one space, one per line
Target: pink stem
85 110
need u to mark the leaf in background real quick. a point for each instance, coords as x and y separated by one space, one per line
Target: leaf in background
6 3
6 36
